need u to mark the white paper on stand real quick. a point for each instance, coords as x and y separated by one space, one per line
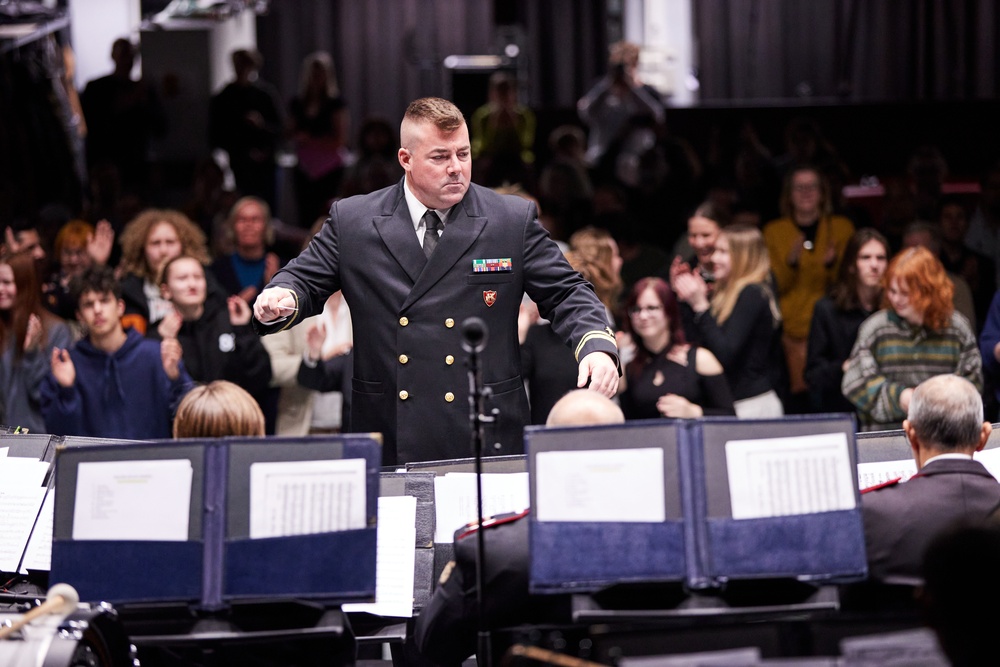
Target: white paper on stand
19 506
455 499
38 556
397 536
874 473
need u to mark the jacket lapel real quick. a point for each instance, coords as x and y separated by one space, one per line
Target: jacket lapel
396 229
462 229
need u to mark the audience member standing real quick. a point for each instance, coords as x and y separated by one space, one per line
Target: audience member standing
617 104
319 125
122 116
503 135
251 265
114 383
741 322
805 246
976 269
668 377
28 333
917 336
836 318
983 235
245 121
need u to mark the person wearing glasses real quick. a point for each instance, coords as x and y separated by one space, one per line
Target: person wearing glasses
668 377
806 246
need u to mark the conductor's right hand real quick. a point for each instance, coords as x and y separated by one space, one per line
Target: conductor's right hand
274 303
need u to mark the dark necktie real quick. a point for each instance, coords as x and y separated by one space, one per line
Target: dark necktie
433 223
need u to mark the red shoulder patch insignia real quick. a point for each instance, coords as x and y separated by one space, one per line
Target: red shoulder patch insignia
883 485
492 522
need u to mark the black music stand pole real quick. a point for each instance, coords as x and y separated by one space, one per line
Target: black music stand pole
474 334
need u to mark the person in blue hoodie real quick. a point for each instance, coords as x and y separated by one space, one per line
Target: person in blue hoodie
114 383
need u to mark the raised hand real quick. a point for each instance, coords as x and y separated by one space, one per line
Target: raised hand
34 334
239 311
315 337
63 368
170 325
171 353
101 242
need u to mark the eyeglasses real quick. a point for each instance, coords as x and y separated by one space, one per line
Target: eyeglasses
635 310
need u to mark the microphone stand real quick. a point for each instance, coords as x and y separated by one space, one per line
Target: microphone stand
474 341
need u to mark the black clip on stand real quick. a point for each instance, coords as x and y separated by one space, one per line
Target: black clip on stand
474 335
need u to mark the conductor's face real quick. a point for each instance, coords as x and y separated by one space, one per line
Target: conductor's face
438 165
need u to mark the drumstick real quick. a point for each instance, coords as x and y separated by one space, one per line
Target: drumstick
60 599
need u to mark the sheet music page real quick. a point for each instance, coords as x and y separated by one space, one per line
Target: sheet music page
874 473
3 452
19 506
607 485
307 497
15 470
396 559
133 500
38 555
787 476
455 499
991 459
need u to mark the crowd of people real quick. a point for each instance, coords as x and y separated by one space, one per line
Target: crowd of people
780 298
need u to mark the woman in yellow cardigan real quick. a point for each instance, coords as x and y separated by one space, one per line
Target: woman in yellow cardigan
806 246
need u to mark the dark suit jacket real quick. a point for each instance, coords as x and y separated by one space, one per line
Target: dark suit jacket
901 520
410 381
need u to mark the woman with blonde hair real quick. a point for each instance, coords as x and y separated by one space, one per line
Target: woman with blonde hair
741 322
600 250
148 241
218 409
916 335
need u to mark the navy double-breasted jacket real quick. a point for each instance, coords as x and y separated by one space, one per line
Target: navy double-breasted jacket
410 377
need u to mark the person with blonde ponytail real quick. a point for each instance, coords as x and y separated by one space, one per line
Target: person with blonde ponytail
741 322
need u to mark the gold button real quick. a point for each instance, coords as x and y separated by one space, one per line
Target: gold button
403 321
403 358
449 360
403 395
449 397
449 323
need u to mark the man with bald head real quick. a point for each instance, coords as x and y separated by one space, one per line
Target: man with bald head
414 261
584 408
945 428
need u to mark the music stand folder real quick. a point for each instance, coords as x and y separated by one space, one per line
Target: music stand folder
698 538
219 562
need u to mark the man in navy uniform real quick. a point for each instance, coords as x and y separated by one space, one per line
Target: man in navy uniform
945 428
414 261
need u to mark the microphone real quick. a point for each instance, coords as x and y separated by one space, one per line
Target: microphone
474 334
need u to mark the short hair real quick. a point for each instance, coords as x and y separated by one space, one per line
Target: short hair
97 279
845 291
583 407
946 411
250 199
247 58
74 234
931 290
218 409
133 240
441 113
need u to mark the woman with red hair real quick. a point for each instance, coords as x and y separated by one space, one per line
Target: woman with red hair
916 336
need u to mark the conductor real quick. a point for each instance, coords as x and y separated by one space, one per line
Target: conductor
416 259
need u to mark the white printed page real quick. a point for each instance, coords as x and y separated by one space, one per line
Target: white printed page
19 506
307 497
874 473
133 500
38 556
397 536
455 499
788 476
605 485
18 471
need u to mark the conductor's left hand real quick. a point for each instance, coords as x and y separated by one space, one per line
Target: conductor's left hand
600 367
